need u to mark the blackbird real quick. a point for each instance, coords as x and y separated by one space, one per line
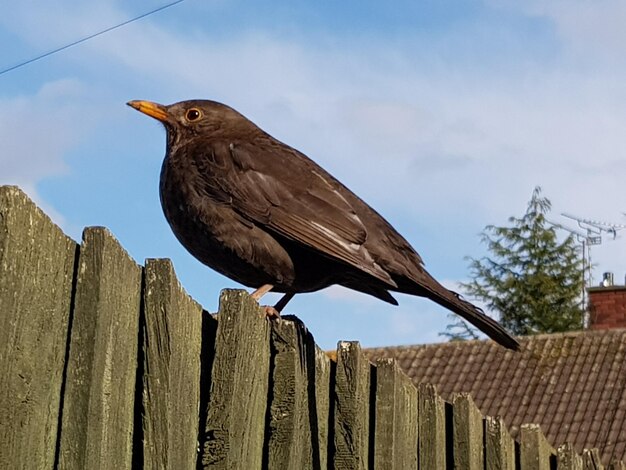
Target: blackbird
265 215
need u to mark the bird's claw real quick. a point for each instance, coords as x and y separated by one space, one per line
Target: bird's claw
271 313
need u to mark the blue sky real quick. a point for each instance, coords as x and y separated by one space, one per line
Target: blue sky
442 115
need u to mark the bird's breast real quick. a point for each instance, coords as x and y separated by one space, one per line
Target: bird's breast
215 234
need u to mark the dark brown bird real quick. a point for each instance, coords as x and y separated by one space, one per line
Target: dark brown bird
268 217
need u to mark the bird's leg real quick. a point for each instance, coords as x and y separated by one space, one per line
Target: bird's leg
284 300
270 312
261 291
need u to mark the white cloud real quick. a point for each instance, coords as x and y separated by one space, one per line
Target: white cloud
590 32
36 132
348 295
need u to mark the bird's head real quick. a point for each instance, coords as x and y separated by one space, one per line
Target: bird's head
188 119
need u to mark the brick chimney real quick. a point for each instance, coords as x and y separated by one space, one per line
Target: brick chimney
607 305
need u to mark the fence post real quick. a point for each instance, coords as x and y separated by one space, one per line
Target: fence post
591 460
171 338
567 458
235 427
319 403
499 445
616 465
298 414
351 408
36 274
535 451
396 418
432 428
468 433
98 406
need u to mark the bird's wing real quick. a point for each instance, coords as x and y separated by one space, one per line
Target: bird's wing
287 193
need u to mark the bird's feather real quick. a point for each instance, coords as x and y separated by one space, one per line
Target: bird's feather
310 212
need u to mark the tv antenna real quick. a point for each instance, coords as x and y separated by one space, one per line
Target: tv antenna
589 233
586 239
596 227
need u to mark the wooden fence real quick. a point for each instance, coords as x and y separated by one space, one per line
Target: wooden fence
108 364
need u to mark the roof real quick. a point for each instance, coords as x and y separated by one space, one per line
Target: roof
572 384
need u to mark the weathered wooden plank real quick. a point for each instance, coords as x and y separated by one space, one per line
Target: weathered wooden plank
36 273
468 433
171 341
406 424
616 465
288 436
386 395
97 425
591 460
499 445
319 403
432 428
351 408
235 426
295 417
567 458
395 440
535 451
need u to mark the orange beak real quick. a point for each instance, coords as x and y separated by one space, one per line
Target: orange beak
155 110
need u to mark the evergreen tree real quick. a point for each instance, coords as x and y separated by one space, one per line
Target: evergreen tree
531 279
459 329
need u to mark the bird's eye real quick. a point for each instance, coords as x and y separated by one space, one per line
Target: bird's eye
193 114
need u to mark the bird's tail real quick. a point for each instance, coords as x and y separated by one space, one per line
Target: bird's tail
452 301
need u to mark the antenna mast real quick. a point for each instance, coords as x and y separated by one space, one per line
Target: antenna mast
586 240
592 235
594 230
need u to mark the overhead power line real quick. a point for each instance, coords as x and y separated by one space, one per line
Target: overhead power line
87 38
